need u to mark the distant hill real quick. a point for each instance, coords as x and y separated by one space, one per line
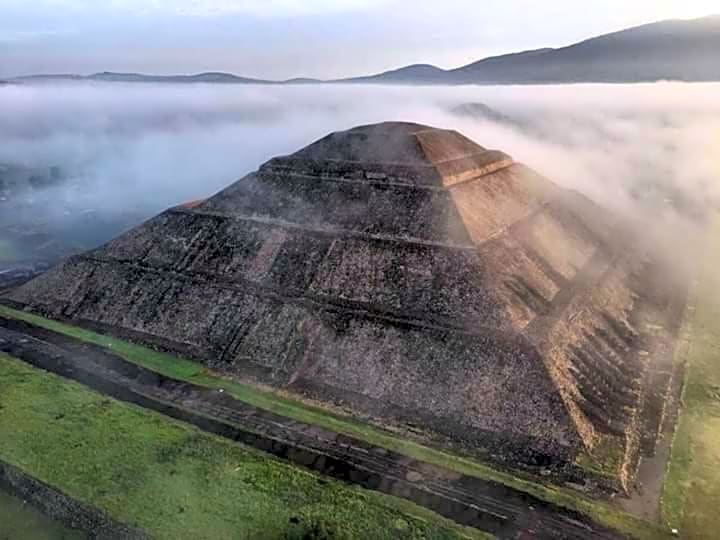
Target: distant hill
415 74
480 111
668 50
211 77
52 77
674 50
302 80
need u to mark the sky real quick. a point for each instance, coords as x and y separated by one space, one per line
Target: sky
280 39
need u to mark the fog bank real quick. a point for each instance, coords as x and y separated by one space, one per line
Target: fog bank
143 147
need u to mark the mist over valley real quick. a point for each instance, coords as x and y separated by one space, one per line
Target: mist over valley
82 162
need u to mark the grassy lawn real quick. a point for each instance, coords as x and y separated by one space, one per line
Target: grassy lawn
691 497
189 371
175 482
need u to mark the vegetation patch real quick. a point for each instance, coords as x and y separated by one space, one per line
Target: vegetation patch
606 459
173 481
691 495
189 371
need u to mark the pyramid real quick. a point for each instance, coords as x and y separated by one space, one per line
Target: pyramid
400 271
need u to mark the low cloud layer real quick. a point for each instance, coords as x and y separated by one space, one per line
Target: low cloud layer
642 149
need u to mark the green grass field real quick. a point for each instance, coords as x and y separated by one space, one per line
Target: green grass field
175 482
189 371
691 497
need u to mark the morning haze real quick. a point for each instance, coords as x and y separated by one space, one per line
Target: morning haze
359 269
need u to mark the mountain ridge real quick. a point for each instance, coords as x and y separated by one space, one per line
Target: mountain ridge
675 49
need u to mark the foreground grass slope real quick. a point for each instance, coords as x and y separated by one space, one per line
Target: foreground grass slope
175 482
194 372
691 498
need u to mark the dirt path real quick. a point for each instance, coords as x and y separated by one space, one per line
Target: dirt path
507 513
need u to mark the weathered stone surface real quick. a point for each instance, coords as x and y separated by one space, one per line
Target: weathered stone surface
399 270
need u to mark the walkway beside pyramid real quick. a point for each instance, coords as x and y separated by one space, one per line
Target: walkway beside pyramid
401 272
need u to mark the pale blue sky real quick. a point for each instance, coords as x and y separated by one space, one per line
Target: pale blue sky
287 38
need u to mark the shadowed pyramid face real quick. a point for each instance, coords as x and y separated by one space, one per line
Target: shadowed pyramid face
400 269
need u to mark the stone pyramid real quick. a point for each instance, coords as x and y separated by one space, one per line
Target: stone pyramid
400 271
